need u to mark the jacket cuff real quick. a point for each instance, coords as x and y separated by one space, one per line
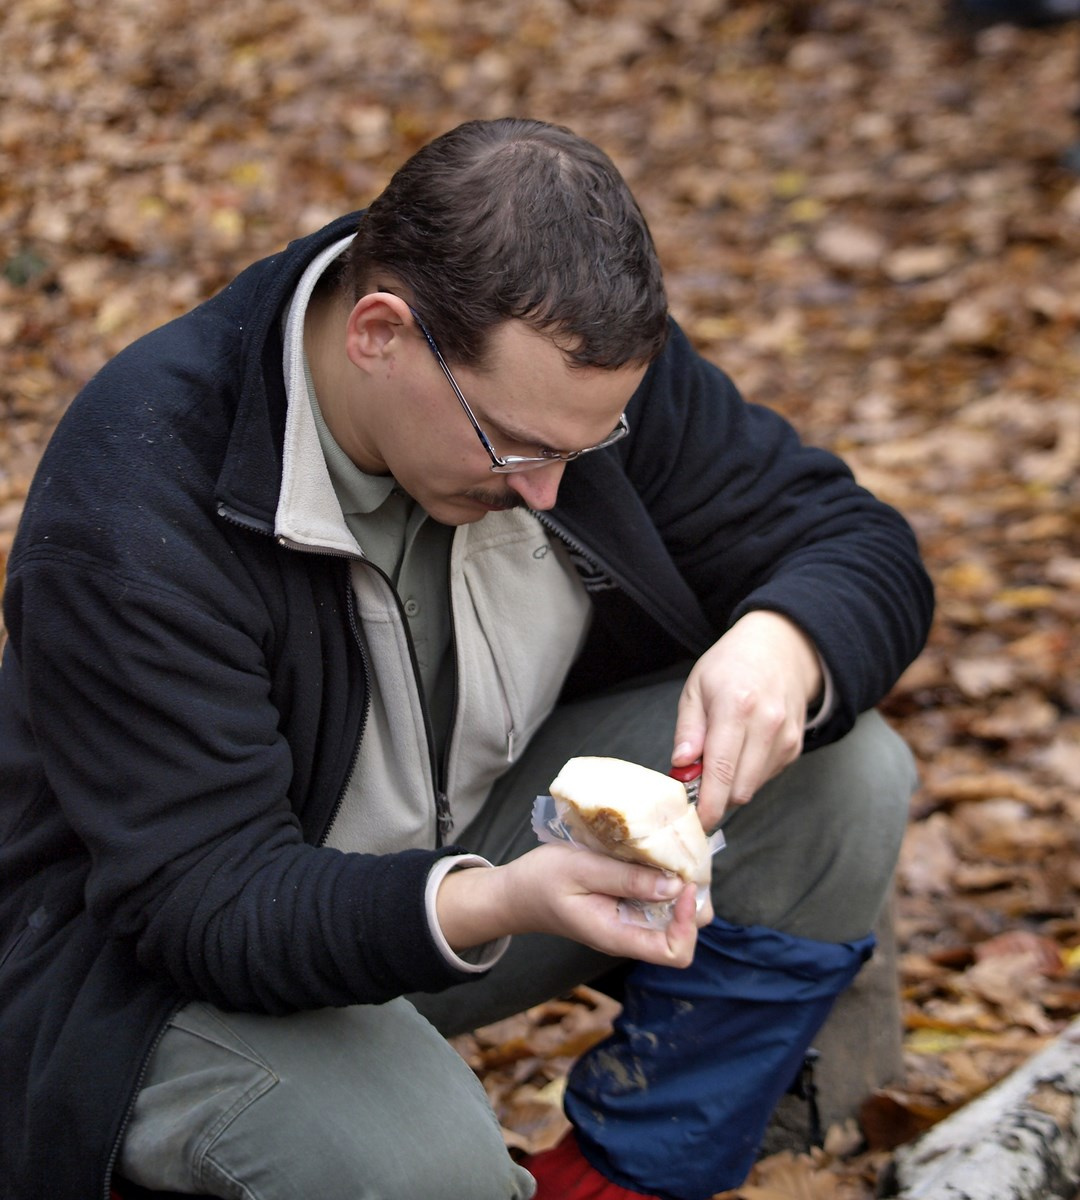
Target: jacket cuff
818 715
477 959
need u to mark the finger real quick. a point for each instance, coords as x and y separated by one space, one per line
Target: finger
773 740
600 873
682 932
691 724
751 770
704 913
719 767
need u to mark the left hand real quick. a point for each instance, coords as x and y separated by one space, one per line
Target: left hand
574 893
743 709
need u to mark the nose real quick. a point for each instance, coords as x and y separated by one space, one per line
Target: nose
539 488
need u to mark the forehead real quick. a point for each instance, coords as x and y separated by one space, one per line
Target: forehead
526 380
514 345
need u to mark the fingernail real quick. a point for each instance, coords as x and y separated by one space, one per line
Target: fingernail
682 750
669 886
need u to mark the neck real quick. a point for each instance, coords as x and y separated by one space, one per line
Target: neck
337 383
324 345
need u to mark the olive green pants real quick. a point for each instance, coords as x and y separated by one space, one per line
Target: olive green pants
369 1102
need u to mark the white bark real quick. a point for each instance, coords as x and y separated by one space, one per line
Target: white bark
1018 1141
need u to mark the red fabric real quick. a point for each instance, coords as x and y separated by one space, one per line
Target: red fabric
563 1174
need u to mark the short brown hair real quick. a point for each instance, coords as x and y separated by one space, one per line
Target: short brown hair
517 219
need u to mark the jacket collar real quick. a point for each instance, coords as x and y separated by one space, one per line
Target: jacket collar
250 480
601 514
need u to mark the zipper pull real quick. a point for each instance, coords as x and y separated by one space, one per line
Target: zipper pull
444 818
510 746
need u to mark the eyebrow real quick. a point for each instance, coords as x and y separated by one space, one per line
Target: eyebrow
522 437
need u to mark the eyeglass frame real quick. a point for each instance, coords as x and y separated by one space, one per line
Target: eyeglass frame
511 463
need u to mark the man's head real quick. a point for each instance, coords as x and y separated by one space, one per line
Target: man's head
506 262
516 220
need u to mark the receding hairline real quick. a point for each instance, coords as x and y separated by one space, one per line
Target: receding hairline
507 193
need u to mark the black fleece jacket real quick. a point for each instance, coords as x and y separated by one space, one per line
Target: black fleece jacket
181 697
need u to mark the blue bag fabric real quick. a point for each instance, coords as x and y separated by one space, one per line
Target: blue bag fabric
676 1101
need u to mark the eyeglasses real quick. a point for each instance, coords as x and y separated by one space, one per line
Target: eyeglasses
508 464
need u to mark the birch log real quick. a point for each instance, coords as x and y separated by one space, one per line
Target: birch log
1020 1140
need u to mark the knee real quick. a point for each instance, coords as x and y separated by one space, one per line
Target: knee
367 1101
814 852
403 1165
869 777
479 1169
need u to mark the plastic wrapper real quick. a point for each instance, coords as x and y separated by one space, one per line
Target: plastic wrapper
549 827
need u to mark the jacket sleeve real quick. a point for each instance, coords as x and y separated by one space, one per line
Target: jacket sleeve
153 718
755 519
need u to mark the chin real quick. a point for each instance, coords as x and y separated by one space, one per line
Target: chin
466 508
454 511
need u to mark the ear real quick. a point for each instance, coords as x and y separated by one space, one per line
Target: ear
375 328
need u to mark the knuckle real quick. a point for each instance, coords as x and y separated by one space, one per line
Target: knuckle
682 957
632 881
795 738
775 719
722 770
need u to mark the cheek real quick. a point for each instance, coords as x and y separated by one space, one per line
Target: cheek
431 464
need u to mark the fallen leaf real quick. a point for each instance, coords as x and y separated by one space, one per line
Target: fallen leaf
909 263
978 678
1043 954
927 858
849 246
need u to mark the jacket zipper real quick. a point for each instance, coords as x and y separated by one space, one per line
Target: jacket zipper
114 1154
591 556
587 553
244 522
266 530
443 817
358 637
442 810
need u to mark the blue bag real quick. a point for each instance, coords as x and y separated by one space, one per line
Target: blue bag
676 1101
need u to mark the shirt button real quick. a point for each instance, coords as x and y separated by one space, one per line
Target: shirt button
411 608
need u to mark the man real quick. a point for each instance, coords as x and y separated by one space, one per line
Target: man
316 589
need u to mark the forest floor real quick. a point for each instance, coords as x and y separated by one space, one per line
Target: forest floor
869 215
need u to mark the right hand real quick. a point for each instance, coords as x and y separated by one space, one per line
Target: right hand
574 893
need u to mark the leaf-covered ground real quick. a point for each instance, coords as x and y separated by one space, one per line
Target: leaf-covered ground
869 214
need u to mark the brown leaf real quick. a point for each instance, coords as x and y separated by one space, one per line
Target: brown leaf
891 1118
1062 758
850 246
1042 954
927 859
1023 716
789 1177
918 262
1013 983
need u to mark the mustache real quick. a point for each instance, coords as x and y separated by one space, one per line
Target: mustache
504 499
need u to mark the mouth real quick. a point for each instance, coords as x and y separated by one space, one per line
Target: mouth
495 501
